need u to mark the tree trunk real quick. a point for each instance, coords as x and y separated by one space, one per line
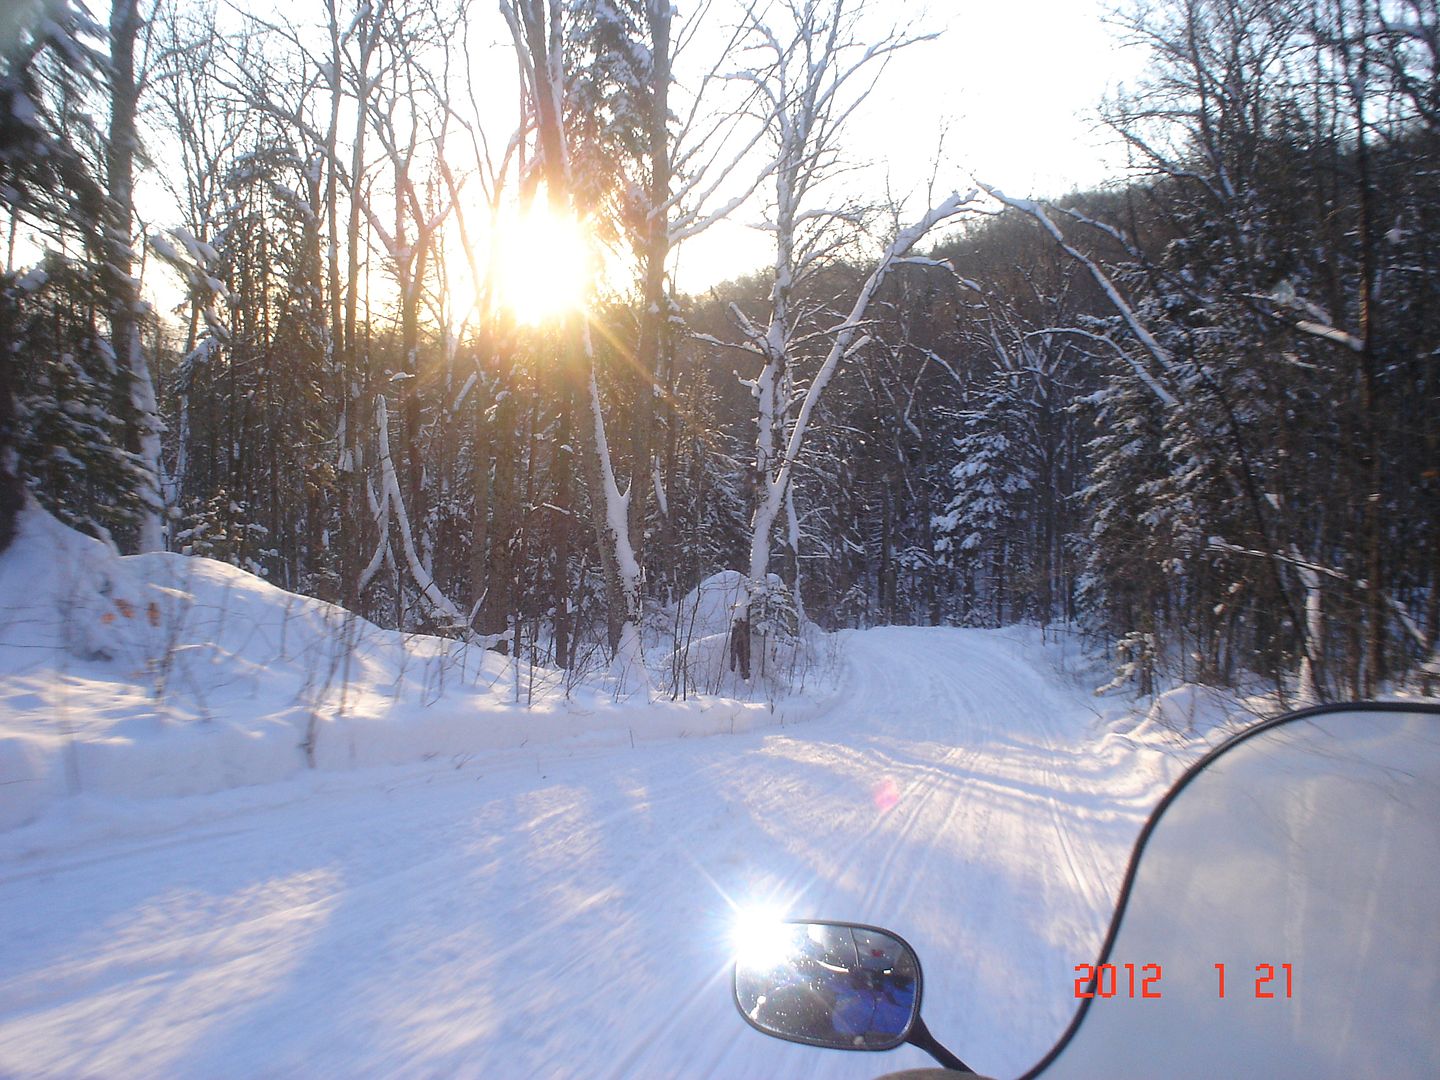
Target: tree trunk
495 611
655 309
480 463
354 391
144 427
562 463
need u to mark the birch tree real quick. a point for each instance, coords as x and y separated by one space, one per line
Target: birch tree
121 147
815 70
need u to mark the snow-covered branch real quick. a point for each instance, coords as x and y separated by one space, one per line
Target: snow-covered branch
1158 352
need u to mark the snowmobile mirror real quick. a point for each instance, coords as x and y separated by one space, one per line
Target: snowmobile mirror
840 985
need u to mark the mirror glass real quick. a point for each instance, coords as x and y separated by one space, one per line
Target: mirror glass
828 984
1285 917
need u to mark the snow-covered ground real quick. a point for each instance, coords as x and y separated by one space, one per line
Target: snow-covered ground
465 887
163 675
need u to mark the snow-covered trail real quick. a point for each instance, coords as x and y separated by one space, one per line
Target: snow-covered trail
567 913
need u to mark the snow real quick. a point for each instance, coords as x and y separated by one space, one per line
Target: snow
32 280
465 887
22 109
1330 333
164 248
166 675
699 633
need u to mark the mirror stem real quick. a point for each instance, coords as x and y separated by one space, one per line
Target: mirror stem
920 1036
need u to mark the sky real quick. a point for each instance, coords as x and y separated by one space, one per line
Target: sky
1015 87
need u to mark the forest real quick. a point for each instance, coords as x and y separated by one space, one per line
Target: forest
403 333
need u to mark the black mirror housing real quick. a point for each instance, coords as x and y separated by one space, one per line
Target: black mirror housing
845 986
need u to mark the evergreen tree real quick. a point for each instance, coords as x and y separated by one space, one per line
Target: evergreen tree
48 60
72 401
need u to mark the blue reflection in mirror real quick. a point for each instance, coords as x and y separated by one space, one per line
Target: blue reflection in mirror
839 985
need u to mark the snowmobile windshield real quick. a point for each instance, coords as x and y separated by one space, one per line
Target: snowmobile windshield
1280 916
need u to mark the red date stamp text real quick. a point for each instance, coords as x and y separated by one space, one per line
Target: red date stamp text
1143 981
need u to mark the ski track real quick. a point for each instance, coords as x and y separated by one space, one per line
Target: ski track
566 913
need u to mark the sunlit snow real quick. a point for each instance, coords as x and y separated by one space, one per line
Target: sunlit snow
465 887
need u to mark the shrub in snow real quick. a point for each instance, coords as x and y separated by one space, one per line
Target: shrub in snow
701 662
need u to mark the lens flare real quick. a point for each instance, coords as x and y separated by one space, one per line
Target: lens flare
886 795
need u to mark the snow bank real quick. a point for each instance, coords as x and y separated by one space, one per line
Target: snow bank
1146 742
165 675
710 607
698 640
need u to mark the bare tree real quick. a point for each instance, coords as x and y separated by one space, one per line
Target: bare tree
121 148
816 69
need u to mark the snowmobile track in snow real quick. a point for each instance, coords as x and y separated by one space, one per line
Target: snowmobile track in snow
568 913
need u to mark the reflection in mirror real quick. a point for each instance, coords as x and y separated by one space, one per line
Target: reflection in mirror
828 984
1282 919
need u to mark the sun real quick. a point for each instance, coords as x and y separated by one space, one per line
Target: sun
544 266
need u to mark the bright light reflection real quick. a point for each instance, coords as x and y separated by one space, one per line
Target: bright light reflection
544 265
761 937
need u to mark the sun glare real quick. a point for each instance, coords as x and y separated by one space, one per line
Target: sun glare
544 266
760 937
